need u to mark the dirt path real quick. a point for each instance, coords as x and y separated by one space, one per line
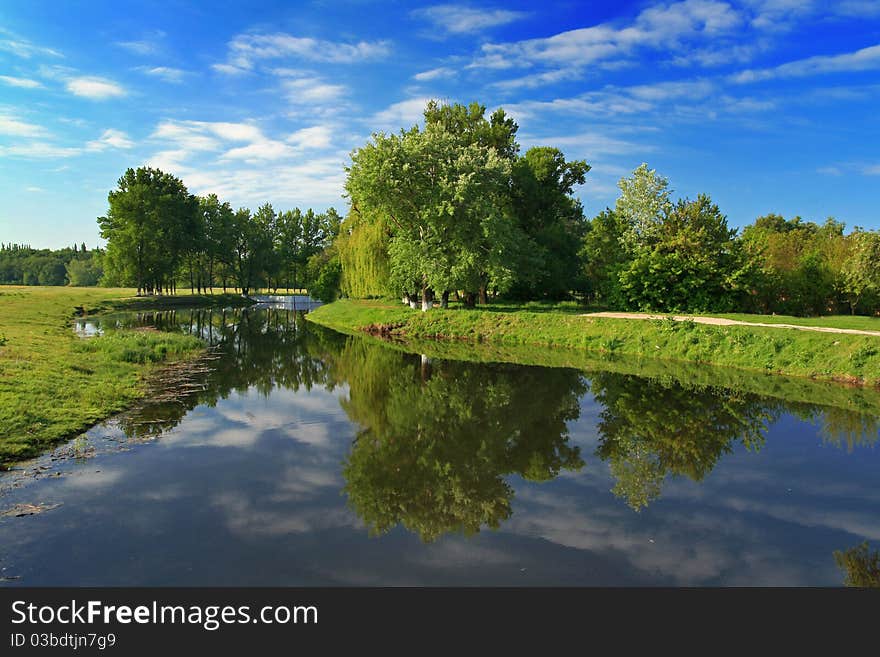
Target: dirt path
719 321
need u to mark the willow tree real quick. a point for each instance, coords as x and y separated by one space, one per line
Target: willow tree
363 254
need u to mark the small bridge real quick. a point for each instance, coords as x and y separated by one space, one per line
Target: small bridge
289 301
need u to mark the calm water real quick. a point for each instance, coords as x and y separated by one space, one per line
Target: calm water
307 457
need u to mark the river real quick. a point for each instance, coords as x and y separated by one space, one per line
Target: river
300 456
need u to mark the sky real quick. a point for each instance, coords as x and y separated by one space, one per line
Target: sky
765 105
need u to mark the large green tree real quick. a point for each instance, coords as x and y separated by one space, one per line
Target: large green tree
151 222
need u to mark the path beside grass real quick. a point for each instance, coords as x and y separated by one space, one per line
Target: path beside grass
847 355
723 321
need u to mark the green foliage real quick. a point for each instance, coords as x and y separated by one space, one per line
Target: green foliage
688 260
860 565
442 196
325 272
363 256
82 272
552 223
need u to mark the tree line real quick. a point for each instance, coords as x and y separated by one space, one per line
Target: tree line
161 237
21 264
455 209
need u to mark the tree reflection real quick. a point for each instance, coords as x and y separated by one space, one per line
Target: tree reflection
860 565
438 441
651 429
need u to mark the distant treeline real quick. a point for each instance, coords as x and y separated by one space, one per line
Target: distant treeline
21 264
454 209
160 237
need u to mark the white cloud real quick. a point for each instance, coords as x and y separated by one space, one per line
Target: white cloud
16 128
23 83
312 90
404 114
861 60
38 150
110 138
462 19
568 54
435 73
149 45
34 190
188 136
21 47
587 144
872 170
229 69
166 73
318 136
95 88
138 47
261 150
170 161
246 49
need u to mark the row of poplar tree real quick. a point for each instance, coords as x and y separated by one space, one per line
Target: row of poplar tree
161 237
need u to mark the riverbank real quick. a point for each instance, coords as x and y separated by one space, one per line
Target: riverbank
831 357
54 384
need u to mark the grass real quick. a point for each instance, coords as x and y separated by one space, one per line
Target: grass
847 358
53 384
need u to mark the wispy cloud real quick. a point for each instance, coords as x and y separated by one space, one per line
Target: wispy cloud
866 59
39 150
435 74
110 138
23 83
24 48
568 54
151 44
16 128
166 73
95 88
318 136
309 90
464 19
403 114
247 49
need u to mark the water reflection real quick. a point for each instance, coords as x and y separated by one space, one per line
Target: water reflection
439 438
313 457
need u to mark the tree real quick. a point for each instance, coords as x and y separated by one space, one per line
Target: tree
643 202
861 270
445 205
551 219
688 259
84 272
250 248
604 257
151 221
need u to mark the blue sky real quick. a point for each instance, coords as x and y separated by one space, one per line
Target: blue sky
766 105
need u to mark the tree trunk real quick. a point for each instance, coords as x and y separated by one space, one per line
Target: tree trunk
444 299
483 299
470 300
426 304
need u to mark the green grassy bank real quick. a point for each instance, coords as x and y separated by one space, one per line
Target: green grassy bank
832 357
54 384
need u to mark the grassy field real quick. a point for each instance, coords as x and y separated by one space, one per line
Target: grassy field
54 384
848 358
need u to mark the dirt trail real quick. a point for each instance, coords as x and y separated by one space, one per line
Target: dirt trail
719 321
